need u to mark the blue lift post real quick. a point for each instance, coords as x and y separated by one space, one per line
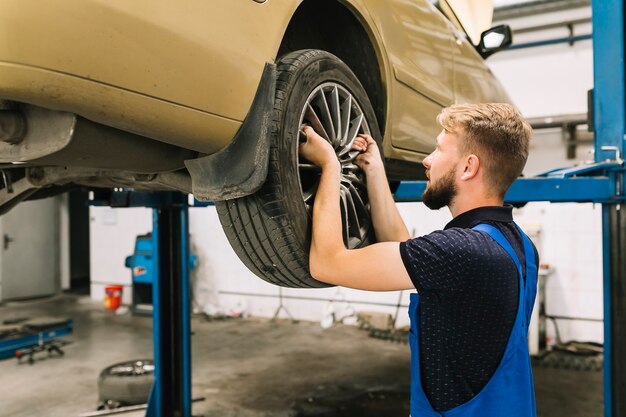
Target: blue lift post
609 108
171 298
171 390
602 182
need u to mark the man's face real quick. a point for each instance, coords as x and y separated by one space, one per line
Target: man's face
441 168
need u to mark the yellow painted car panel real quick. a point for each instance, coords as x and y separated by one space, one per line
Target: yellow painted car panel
473 81
116 107
207 56
414 129
417 42
186 72
420 46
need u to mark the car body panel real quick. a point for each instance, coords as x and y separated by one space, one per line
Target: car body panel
474 81
186 72
113 106
420 51
187 54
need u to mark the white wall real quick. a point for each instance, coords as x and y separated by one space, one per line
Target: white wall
547 80
111 240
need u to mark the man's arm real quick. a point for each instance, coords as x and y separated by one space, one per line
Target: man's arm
377 267
388 223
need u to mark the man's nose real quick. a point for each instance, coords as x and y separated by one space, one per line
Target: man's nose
426 162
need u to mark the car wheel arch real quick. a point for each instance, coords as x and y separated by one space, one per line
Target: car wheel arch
306 31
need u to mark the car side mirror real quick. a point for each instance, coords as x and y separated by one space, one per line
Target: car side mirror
495 39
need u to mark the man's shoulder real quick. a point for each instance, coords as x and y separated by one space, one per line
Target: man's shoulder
466 236
452 258
453 240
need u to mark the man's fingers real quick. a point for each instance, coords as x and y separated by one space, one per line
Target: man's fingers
367 138
310 132
364 143
359 147
359 144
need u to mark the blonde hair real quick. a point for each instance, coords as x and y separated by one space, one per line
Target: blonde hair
496 133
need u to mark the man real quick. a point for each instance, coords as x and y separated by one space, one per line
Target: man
475 280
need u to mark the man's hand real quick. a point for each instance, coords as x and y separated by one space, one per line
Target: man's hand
318 150
388 223
369 160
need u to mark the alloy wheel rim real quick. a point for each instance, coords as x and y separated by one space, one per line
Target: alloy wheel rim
334 113
133 368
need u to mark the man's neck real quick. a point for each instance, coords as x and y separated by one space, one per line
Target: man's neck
460 206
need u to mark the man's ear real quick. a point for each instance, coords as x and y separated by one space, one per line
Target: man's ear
472 166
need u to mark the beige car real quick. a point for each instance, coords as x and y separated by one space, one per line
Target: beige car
209 97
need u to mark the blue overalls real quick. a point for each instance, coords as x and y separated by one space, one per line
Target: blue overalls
509 392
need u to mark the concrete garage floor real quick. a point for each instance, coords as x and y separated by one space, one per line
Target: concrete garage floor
247 368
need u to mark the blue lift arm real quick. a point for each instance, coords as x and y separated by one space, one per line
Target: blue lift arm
594 183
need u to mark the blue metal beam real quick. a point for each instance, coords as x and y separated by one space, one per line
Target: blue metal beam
568 39
557 190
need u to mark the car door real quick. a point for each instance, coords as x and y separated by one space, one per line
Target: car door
473 80
419 42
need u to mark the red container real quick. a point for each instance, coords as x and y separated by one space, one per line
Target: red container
113 297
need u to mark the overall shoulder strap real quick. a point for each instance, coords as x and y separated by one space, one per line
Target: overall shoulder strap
531 274
497 235
522 316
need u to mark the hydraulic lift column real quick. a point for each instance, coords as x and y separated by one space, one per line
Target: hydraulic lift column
609 108
171 392
171 299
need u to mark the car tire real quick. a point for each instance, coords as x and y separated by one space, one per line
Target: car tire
270 230
126 383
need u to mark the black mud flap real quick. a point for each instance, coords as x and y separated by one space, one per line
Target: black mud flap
240 169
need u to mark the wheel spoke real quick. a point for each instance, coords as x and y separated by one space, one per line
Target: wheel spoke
316 124
347 150
309 194
355 181
354 130
351 167
346 110
327 119
359 204
336 116
354 226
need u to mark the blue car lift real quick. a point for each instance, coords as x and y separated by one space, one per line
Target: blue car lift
602 182
171 313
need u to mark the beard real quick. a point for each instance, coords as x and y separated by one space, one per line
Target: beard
441 193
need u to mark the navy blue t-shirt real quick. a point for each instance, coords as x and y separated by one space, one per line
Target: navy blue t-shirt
469 293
